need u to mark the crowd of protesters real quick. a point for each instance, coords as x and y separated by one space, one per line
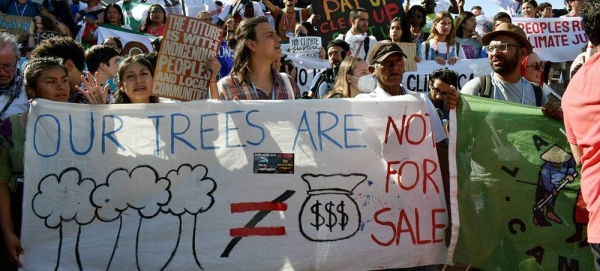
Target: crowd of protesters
61 69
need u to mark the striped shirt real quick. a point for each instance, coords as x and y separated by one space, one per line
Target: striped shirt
229 88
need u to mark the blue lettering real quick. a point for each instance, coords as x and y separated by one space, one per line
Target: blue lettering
304 121
175 135
323 133
92 132
46 131
202 131
156 127
227 129
109 134
346 130
262 131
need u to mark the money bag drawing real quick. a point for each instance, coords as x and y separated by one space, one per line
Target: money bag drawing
330 213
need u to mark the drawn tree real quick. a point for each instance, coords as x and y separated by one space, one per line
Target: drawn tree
129 197
192 194
60 200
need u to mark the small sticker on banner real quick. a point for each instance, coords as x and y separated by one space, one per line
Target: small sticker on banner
275 163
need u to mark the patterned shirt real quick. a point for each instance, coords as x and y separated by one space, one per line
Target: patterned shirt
229 88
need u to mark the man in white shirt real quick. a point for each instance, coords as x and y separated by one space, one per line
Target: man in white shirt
358 39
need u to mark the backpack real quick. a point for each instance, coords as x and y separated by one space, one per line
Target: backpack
485 87
427 49
365 44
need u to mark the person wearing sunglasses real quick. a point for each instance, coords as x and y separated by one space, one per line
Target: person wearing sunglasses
507 46
416 17
13 99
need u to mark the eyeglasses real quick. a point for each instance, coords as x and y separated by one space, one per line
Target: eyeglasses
416 16
438 91
8 67
537 66
502 47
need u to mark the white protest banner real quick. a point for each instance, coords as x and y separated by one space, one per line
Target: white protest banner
308 47
253 185
555 39
416 81
467 69
187 45
133 42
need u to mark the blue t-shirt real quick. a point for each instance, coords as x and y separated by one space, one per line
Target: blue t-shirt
226 59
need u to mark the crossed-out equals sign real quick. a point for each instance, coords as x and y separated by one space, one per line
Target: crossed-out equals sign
250 229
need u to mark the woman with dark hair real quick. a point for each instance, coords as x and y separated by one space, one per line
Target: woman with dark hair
155 21
256 46
529 8
135 79
416 18
441 45
113 15
399 30
466 34
45 78
58 11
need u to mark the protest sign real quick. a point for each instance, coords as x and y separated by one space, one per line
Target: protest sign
506 162
187 45
335 16
16 25
263 185
553 39
133 42
306 47
410 50
416 81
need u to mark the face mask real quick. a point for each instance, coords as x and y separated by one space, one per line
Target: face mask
366 83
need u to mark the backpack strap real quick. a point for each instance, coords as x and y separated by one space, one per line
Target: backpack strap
366 46
485 85
288 85
426 56
457 49
537 90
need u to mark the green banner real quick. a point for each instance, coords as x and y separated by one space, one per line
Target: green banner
517 191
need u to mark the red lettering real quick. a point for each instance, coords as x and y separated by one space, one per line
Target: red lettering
400 183
427 175
435 226
391 10
384 223
377 13
423 131
405 224
391 123
390 171
577 26
401 218
341 23
428 167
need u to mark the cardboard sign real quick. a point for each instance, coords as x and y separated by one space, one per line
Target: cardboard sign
16 25
187 44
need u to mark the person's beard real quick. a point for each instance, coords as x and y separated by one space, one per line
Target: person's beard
509 65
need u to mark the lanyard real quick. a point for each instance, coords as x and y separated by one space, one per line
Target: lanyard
287 21
417 37
22 11
256 92
498 94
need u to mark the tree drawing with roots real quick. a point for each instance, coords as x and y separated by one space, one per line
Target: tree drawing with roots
192 191
63 202
130 197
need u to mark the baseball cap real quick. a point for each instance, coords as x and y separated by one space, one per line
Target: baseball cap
382 49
